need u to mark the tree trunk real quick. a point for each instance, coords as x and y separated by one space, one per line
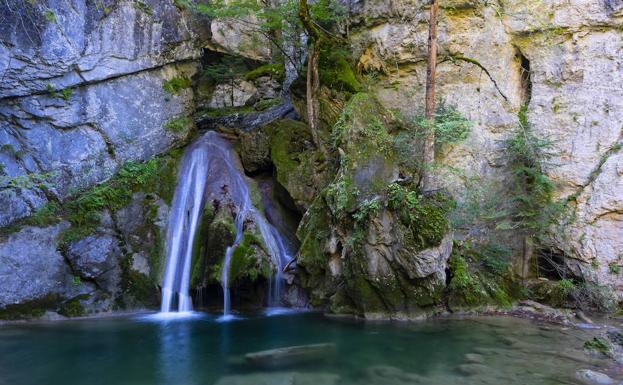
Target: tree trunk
429 114
313 104
231 96
313 77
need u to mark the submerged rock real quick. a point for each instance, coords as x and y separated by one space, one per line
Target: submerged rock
292 355
590 377
280 378
391 375
472 369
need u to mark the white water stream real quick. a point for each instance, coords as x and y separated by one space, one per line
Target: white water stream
212 155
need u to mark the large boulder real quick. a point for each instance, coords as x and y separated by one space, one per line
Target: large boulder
31 267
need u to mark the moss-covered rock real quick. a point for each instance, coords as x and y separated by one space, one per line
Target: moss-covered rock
298 164
73 307
472 285
248 261
30 309
369 245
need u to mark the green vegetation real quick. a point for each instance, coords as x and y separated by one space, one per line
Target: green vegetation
143 7
599 345
336 70
274 70
49 15
84 210
136 287
450 126
175 85
265 104
245 263
473 286
73 307
614 268
425 215
66 93
30 309
534 210
179 124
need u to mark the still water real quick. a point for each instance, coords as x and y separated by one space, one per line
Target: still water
203 350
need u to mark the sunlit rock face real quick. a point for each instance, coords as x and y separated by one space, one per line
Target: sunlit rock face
574 97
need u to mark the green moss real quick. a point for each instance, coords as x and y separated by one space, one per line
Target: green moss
199 256
141 6
276 71
335 70
470 287
221 234
179 124
598 345
137 288
83 211
246 264
176 84
30 309
265 104
313 233
296 161
73 307
426 216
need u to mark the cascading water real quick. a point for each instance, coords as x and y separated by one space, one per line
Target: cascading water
185 212
212 154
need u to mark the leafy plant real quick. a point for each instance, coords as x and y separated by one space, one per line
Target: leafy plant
614 268
66 93
141 6
450 126
178 124
176 84
49 15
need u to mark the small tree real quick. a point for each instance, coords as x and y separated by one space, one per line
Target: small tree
228 69
429 114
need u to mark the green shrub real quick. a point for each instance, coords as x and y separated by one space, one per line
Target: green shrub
176 84
178 124
141 6
274 70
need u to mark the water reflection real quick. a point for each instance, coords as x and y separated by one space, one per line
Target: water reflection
176 361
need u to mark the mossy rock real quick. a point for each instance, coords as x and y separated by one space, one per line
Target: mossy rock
221 234
296 160
249 263
137 289
470 288
30 309
73 307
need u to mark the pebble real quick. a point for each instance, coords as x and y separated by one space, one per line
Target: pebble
591 377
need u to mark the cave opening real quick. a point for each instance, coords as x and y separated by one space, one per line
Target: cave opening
525 76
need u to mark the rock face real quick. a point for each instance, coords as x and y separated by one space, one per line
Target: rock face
79 99
573 94
31 265
84 92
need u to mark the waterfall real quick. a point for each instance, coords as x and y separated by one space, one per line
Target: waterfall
186 210
208 160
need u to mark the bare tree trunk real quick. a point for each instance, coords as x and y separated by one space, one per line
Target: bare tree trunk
231 96
313 78
429 114
313 87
